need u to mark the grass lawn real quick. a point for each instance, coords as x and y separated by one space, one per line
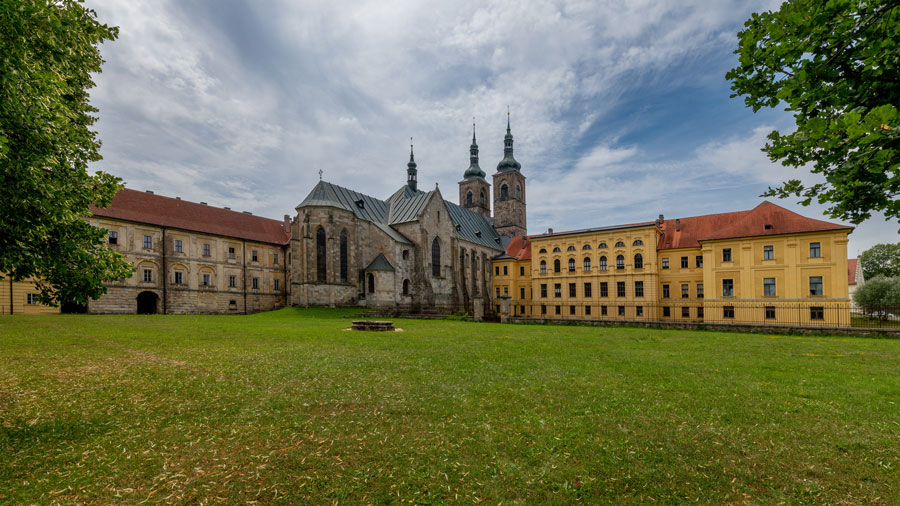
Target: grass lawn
287 407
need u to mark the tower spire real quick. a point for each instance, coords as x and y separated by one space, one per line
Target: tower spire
474 170
411 172
509 161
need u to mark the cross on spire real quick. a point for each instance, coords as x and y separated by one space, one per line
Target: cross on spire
320 174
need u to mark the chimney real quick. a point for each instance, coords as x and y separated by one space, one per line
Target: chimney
678 224
549 230
227 208
660 220
287 224
177 198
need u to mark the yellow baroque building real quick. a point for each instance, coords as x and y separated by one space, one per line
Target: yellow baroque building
767 266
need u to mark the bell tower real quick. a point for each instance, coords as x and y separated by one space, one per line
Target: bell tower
474 190
509 192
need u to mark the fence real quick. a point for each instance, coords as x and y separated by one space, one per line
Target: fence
798 314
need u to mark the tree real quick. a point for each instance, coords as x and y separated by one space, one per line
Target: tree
881 260
879 295
48 50
835 66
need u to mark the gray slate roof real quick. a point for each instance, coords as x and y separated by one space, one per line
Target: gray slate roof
405 205
380 264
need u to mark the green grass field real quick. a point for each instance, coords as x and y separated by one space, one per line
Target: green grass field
287 407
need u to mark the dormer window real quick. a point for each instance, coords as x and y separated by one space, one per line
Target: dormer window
768 226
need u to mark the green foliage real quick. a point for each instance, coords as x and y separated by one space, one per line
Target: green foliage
881 260
880 294
835 66
48 50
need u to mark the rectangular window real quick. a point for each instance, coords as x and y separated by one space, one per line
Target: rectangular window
604 289
253 256
698 261
543 290
572 310
206 280
230 252
148 275
638 288
232 281
505 270
768 253
639 311
620 288
699 312
498 292
587 310
667 312
621 310
179 278
815 286
206 250
817 313
31 299
727 288
559 310
255 283
179 246
728 311
603 311
770 312
587 289
768 287
543 308
506 291
665 262
113 237
277 284
571 289
685 312
726 254
521 293
665 291
815 250
275 259
148 242
496 270
684 262
522 310
699 290
685 291
557 290
521 271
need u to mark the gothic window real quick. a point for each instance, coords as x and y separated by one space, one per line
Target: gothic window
435 258
405 287
518 192
556 265
638 261
371 280
343 258
320 254
468 198
482 197
603 263
620 262
504 192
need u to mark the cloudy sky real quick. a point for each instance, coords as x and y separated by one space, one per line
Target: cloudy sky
620 109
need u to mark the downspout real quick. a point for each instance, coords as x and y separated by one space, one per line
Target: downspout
165 274
244 268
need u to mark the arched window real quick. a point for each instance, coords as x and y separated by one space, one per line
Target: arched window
587 264
518 192
543 250
556 265
435 257
371 280
482 197
543 267
638 261
586 246
469 198
405 287
603 263
320 254
556 249
620 244
571 265
620 262
637 242
504 192
343 258
602 245
570 248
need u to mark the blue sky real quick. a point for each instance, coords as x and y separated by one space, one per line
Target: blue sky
620 110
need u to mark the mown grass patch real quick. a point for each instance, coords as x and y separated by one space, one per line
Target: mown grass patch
287 407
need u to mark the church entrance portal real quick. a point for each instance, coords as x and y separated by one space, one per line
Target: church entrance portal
147 302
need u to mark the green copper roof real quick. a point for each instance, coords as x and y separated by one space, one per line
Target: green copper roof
474 170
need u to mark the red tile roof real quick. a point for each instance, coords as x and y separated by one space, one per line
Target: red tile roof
764 219
519 248
143 207
590 230
851 270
